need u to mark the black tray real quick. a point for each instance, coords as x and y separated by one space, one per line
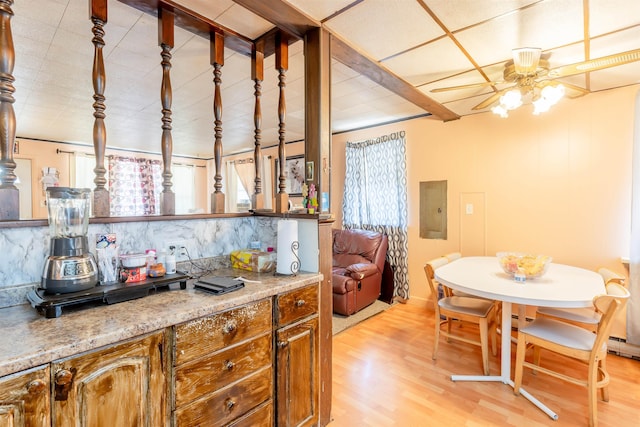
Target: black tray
51 304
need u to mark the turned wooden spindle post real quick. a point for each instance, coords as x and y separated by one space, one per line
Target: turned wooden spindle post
257 75
9 194
217 60
98 13
166 42
282 65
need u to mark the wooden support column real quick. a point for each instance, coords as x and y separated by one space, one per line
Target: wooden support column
98 13
257 75
217 60
282 65
317 140
9 194
317 148
166 42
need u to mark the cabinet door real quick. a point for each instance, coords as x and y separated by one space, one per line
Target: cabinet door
24 399
297 379
122 386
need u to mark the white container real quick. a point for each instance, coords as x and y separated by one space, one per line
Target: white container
133 260
170 263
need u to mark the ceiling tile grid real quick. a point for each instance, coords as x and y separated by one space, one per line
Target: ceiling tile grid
54 56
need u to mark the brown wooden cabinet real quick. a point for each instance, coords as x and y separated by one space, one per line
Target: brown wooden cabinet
297 358
223 368
24 399
254 365
122 385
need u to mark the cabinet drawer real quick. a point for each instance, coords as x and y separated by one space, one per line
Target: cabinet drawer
297 304
205 375
209 334
262 416
229 403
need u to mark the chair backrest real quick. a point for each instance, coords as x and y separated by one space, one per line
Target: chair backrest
452 256
615 299
430 269
610 276
355 246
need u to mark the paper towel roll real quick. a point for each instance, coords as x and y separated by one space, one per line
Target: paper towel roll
287 250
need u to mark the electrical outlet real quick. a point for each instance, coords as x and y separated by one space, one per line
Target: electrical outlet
179 248
172 246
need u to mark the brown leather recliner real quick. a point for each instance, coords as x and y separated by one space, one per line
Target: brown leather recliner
358 262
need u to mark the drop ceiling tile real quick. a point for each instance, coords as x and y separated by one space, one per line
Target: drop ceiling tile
610 15
244 22
429 62
545 25
319 10
474 11
369 25
44 12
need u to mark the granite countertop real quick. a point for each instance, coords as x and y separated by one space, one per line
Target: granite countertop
29 339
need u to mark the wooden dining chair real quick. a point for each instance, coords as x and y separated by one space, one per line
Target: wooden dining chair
587 317
576 343
480 312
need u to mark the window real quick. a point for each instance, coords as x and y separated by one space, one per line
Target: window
184 179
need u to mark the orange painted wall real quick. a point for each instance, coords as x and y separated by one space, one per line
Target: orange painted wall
557 184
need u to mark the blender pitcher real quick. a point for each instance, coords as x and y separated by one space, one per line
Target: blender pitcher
70 266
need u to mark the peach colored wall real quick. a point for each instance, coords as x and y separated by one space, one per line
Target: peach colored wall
557 184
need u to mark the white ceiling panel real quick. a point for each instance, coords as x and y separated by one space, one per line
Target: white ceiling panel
319 10
611 15
370 24
474 11
54 59
429 62
544 25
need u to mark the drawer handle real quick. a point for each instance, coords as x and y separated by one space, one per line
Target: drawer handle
283 344
230 404
300 303
63 383
36 386
64 377
229 328
229 365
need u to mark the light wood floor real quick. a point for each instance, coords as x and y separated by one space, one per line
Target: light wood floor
383 375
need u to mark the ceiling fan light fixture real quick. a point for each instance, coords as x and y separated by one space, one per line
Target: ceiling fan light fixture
553 93
511 99
526 60
500 111
549 95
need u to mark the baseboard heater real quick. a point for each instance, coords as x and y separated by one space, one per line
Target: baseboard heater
620 347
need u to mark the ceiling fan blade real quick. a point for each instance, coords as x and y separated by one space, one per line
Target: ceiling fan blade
468 86
595 64
581 91
490 100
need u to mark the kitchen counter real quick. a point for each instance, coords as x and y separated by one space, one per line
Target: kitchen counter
29 339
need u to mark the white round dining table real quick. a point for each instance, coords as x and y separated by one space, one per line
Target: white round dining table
561 286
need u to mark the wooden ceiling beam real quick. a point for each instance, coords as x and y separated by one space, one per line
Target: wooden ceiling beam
358 61
282 15
285 16
194 22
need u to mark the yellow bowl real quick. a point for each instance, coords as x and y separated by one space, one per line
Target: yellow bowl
532 266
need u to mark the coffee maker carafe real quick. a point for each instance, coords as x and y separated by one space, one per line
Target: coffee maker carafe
70 266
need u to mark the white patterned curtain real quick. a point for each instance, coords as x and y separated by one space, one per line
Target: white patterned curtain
135 185
633 306
375 197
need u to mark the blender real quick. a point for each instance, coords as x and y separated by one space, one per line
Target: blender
70 267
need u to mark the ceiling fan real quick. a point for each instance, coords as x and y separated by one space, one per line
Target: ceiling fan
529 73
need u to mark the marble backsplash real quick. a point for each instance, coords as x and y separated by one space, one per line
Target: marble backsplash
23 250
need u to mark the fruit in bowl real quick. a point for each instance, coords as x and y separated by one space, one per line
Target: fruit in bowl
532 266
